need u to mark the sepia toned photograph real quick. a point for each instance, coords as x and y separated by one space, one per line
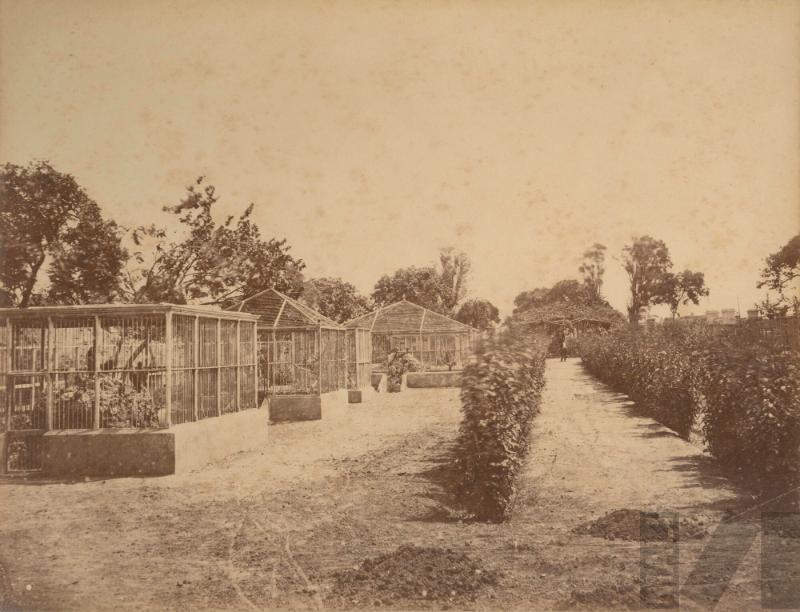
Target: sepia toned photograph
399 305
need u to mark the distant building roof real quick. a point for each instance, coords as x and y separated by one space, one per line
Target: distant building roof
405 317
278 310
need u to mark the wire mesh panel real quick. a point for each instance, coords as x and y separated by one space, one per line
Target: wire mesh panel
409 343
183 373
207 382
207 390
352 356
333 360
132 353
358 350
28 405
227 375
227 390
4 368
25 395
208 342
246 339
29 345
73 377
247 388
441 352
306 361
227 343
24 452
288 362
380 350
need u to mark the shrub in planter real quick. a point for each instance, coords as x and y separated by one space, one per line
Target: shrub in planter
500 392
398 364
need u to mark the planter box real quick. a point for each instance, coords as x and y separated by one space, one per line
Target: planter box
396 387
379 382
425 380
291 408
354 396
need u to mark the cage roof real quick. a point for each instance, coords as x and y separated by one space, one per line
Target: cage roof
405 317
278 310
87 310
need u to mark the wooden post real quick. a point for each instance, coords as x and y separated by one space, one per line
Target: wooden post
219 369
168 371
50 354
196 371
238 364
96 366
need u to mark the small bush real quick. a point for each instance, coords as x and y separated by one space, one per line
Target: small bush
399 363
500 392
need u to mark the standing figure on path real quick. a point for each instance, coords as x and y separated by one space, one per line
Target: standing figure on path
564 347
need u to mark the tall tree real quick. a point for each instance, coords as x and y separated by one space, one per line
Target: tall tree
681 288
647 262
47 218
454 269
781 274
593 268
212 263
422 286
480 314
335 298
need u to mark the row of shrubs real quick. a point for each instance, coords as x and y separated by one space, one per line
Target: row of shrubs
738 389
500 393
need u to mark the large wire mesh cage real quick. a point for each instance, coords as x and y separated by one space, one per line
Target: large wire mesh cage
124 366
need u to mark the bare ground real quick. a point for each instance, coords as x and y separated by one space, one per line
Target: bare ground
271 529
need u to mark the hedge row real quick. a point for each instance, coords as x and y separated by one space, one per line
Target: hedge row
743 391
500 393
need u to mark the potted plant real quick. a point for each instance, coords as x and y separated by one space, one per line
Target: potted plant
398 363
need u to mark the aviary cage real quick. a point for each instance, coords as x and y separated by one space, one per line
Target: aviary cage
300 351
117 366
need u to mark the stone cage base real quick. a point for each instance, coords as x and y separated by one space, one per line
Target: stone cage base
422 380
291 408
140 452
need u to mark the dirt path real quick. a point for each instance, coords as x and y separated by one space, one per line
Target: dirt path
270 529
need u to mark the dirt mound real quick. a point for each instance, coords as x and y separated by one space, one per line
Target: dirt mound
416 574
627 524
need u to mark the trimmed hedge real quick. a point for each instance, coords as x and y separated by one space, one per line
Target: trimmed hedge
656 368
745 390
500 394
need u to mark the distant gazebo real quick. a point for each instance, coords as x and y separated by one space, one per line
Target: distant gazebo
437 341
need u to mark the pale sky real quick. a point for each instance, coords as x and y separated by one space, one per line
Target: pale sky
370 134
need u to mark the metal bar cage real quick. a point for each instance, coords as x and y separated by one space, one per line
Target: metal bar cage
301 361
436 352
140 370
